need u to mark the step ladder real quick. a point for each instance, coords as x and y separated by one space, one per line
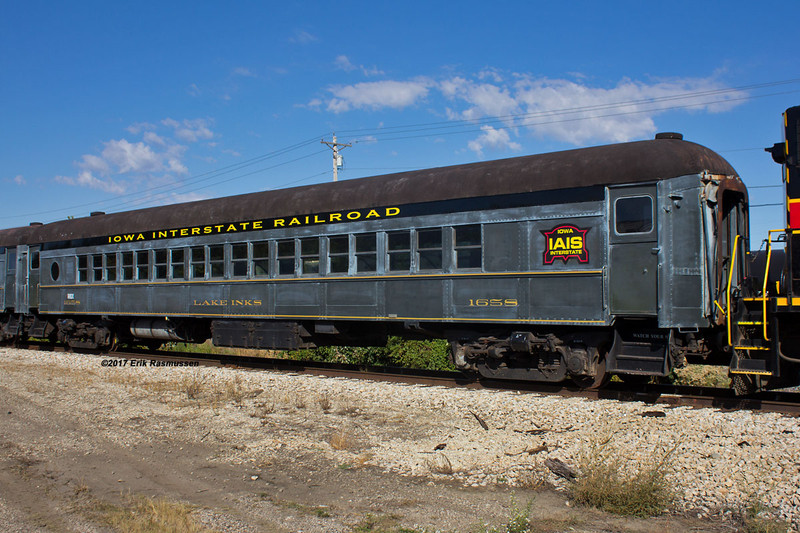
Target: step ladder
753 352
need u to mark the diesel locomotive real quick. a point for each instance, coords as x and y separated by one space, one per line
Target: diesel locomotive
627 259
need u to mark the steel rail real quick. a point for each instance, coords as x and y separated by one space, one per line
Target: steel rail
669 396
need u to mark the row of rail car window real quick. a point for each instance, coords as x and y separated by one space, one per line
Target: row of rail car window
405 251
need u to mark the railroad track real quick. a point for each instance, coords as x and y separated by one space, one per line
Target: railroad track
656 394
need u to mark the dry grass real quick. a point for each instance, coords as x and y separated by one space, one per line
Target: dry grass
347 408
148 515
531 479
606 482
324 403
439 464
756 518
342 439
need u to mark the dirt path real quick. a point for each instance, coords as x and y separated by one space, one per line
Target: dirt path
78 446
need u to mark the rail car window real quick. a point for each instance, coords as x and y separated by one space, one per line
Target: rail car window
429 249
468 246
160 264
366 252
177 265
239 260
633 214
198 262
399 248
261 259
55 271
83 267
309 255
127 266
97 267
111 267
339 253
34 260
286 258
143 265
216 260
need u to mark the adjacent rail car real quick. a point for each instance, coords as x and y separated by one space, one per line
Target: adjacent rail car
618 259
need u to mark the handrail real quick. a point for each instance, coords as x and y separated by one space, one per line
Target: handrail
728 291
766 280
764 290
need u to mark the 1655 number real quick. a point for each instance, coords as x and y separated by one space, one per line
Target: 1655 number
493 302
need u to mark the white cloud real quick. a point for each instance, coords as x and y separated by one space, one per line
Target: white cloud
302 37
342 62
573 111
138 127
19 179
244 71
151 137
93 163
190 130
87 179
377 95
123 164
129 157
498 139
578 113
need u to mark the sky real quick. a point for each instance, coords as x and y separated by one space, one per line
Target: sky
112 106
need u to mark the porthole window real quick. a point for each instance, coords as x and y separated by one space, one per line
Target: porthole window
633 214
55 271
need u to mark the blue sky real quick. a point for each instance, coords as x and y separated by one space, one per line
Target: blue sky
114 106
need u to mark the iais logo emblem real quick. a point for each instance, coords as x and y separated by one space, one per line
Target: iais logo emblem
565 242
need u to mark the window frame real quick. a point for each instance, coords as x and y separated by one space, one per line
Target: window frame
634 197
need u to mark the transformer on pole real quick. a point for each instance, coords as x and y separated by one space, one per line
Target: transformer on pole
337 157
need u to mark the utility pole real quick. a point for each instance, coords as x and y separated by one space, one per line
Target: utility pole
337 158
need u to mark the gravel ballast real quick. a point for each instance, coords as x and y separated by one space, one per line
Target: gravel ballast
719 462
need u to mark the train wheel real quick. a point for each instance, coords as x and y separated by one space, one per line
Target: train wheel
600 378
153 345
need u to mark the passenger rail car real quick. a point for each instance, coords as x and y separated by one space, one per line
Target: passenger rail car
616 259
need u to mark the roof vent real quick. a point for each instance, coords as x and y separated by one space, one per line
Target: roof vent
36 224
97 213
669 135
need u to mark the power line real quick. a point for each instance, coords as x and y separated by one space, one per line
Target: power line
450 124
462 126
198 178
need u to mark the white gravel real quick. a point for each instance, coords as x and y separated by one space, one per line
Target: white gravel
719 460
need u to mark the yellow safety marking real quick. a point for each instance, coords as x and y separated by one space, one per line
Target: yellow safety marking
756 372
731 269
751 347
750 323
783 302
325 278
325 317
721 310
